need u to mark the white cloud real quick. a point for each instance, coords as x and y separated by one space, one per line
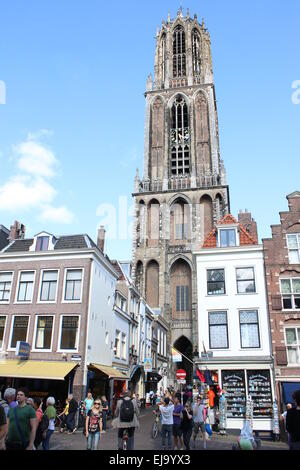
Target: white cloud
35 159
60 215
30 188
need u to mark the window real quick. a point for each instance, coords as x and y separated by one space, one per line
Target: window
245 280
106 338
227 237
181 231
73 284
182 299
42 244
290 291
293 244
196 52
25 291
249 329
5 286
123 346
2 329
69 332
117 344
292 336
19 330
179 58
215 281
218 330
43 332
180 138
48 288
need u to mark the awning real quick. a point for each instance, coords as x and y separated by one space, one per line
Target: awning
111 372
52 370
135 370
288 388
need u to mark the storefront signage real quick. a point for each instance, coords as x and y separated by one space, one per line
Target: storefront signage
207 354
176 356
75 357
148 364
22 350
181 374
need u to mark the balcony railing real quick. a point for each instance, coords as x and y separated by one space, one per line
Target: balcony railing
177 183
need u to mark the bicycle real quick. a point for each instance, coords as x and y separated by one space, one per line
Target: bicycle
125 439
156 426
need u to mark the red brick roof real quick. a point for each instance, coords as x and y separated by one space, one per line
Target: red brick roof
245 238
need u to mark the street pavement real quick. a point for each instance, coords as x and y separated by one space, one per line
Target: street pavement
144 441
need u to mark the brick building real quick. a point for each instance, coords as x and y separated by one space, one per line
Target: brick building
183 191
282 265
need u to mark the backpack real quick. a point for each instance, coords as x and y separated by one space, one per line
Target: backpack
126 411
4 406
44 424
94 420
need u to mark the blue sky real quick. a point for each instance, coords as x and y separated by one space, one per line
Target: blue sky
72 128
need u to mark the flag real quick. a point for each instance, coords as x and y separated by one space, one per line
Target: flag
200 375
176 356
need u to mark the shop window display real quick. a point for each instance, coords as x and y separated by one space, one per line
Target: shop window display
259 388
234 384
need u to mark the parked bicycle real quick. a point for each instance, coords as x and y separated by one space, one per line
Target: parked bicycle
156 426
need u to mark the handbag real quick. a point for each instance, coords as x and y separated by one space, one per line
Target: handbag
208 429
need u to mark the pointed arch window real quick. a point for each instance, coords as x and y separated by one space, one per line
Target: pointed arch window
163 58
196 52
180 138
179 54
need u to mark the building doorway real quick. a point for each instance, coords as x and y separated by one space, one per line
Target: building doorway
184 346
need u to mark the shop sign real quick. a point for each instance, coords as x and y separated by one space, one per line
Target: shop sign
22 349
207 354
181 374
176 356
76 357
148 364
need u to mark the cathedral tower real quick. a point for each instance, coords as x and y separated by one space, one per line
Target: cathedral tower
183 191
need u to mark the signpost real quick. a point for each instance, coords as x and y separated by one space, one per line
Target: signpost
181 379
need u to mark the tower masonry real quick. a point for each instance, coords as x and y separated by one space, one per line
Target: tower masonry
183 191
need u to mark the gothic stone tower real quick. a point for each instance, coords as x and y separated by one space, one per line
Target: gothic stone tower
183 190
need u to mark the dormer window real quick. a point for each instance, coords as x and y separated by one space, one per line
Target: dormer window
42 243
227 237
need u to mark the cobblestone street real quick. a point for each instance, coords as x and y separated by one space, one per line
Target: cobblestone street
144 441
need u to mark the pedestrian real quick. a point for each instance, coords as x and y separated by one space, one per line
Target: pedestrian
64 415
93 425
51 414
126 414
3 427
199 417
289 406
88 402
9 399
41 423
293 422
29 401
166 410
73 406
21 424
177 417
105 409
246 440
187 424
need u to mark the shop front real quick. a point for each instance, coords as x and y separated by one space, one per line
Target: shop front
239 382
152 379
41 378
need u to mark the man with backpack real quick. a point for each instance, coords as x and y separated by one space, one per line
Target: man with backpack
126 414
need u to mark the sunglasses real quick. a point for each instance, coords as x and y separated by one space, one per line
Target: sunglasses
97 403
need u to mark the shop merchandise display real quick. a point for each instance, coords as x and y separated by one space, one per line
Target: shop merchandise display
223 414
275 423
259 387
234 382
249 411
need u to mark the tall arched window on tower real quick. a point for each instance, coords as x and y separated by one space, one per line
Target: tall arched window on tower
180 138
163 56
179 57
181 290
196 52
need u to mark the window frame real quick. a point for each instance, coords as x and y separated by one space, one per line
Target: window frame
60 333
4 331
292 295
123 342
34 349
25 302
63 301
43 237
292 364
40 301
287 246
118 347
5 302
258 328
228 229
207 281
239 280
222 324
10 348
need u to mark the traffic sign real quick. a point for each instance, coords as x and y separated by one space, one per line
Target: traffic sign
181 381
181 374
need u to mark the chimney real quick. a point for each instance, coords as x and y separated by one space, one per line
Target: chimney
17 231
246 220
101 238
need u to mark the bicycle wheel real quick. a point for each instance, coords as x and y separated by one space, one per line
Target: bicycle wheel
154 430
124 444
